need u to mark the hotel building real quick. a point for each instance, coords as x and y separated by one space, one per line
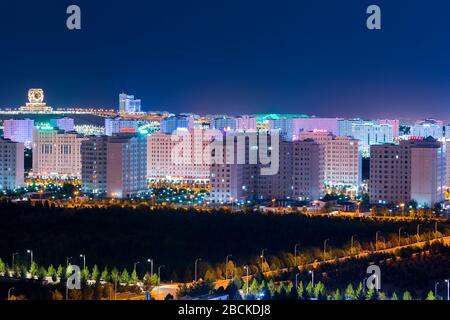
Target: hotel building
290 128
169 125
65 124
128 104
118 125
56 153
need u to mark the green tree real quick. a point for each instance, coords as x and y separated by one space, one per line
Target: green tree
95 275
41 273
105 274
115 275
134 277
431 296
33 269
300 290
125 277
51 272
407 296
254 287
2 267
271 287
337 295
59 271
394 296
350 293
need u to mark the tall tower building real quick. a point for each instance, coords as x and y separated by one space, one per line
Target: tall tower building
11 164
19 131
128 104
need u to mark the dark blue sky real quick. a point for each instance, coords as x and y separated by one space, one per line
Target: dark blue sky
233 56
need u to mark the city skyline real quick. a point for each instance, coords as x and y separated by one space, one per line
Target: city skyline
318 56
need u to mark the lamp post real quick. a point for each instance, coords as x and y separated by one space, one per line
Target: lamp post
134 265
352 240
196 265
246 268
151 266
296 281
31 256
84 260
226 265
295 254
67 261
262 259
418 232
9 292
13 259
376 240
400 236
447 281
325 248
435 288
311 272
159 274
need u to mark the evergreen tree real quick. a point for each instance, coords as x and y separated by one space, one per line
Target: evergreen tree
431 296
105 275
2 267
125 277
95 273
407 296
350 293
271 287
394 296
336 295
134 277
300 290
33 269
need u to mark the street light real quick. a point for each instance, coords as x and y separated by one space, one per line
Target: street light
151 266
84 260
226 265
13 259
262 259
67 261
135 264
9 292
31 256
435 288
311 272
351 243
246 268
376 240
296 281
400 236
196 265
418 232
295 254
159 274
447 281
325 248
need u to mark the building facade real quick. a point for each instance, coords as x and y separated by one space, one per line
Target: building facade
11 164
56 153
117 125
19 131
342 160
66 124
171 124
128 104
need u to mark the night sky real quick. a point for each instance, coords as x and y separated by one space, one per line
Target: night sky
232 56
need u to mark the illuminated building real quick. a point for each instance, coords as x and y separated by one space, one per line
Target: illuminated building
342 160
246 123
89 130
129 105
299 174
36 103
412 170
117 125
115 166
56 153
290 128
126 169
372 133
66 124
428 128
161 164
11 164
224 123
19 131
171 124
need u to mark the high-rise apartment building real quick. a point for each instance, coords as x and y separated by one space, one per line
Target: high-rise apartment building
290 128
224 123
128 104
246 123
66 124
11 164
372 133
342 160
19 131
117 125
56 153
169 125
428 128
115 166
412 170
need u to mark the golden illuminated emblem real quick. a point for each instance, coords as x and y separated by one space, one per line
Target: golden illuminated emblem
36 95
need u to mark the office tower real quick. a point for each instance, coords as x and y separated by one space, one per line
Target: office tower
290 128
129 105
94 165
428 128
169 125
342 160
245 123
117 125
224 123
56 153
66 124
126 170
36 103
372 133
11 164
185 164
412 170
19 131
